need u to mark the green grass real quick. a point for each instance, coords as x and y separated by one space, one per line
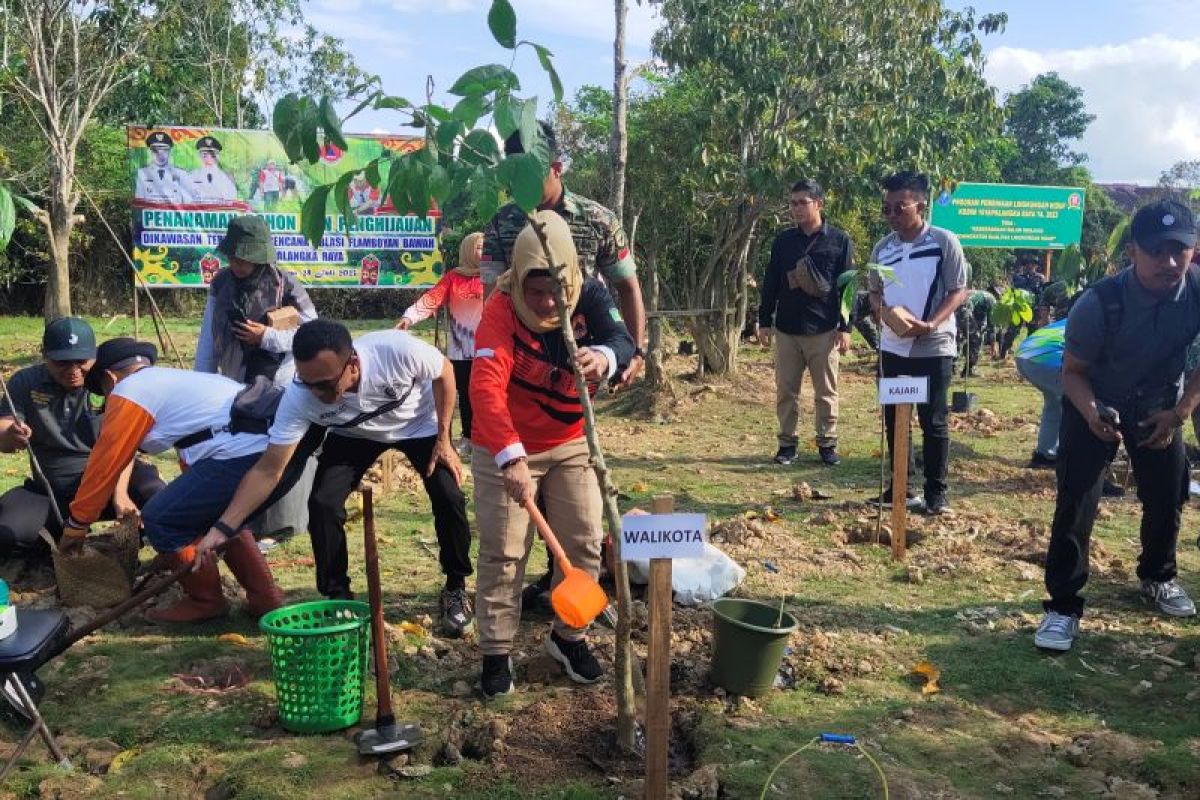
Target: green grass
1002 725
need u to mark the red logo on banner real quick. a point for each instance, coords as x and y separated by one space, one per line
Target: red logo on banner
331 153
209 266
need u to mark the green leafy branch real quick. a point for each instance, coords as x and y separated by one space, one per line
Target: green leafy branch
1013 308
459 155
849 282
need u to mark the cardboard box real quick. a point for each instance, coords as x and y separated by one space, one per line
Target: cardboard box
899 319
284 319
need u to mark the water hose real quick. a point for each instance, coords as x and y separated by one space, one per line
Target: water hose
828 738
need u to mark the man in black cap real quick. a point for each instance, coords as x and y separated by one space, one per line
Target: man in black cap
243 336
1126 344
210 183
46 411
153 409
160 181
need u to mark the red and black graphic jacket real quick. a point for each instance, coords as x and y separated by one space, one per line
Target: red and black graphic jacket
522 383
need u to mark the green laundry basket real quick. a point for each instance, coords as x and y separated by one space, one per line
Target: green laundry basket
319 659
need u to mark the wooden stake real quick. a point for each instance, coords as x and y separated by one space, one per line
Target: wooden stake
1046 256
658 668
900 480
137 317
387 465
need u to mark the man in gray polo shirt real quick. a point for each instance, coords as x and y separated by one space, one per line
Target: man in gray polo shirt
47 410
1126 345
927 280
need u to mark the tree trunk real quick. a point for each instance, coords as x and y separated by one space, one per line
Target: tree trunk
655 376
618 142
59 220
719 333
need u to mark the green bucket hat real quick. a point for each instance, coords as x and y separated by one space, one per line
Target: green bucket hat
248 237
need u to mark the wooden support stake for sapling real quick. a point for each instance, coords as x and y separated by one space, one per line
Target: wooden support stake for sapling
624 657
658 667
900 480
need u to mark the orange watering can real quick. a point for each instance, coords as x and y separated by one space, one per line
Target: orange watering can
578 598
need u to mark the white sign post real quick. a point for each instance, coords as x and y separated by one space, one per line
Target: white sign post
903 393
660 537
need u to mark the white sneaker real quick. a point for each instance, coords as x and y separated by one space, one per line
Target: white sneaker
1057 631
1168 597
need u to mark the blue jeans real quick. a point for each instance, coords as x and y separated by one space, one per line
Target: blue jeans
1047 379
187 508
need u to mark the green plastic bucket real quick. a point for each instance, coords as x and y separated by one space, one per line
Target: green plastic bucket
747 647
319 660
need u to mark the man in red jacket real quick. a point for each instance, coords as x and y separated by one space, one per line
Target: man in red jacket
523 385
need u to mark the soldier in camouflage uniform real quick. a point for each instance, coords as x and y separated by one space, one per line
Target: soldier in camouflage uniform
974 321
599 239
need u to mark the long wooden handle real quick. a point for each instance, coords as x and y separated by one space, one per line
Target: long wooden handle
548 535
383 684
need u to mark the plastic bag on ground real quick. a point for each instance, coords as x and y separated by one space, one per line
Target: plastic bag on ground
696 580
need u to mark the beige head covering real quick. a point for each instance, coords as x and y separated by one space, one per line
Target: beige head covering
468 261
528 256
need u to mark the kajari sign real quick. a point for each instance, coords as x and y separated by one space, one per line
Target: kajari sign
189 182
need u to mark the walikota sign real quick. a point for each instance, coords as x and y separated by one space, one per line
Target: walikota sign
1001 215
188 183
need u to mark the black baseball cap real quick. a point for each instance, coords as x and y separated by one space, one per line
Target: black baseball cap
1161 221
117 354
69 339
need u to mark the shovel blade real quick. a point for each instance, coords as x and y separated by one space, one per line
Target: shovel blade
392 738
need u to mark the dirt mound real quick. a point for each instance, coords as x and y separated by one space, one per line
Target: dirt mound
987 423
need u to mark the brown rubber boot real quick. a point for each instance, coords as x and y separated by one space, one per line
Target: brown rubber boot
247 564
202 598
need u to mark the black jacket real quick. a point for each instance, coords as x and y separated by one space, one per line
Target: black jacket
793 311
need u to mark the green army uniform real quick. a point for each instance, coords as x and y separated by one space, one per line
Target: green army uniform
974 321
599 239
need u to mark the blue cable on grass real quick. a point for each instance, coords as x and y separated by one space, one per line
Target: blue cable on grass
829 738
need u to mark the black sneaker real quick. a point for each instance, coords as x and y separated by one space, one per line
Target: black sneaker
458 616
936 505
496 678
576 658
911 501
1040 461
536 596
1111 489
829 456
785 455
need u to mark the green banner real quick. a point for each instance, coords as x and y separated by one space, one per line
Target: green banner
189 182
1010 215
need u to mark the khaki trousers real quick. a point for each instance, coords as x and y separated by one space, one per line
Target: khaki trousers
571 495
819 356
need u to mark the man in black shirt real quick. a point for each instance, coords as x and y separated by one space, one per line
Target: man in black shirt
54 418
802 305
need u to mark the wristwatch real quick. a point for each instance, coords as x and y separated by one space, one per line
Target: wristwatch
225 529
512 461
639 353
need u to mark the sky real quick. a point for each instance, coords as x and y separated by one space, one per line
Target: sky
1137 61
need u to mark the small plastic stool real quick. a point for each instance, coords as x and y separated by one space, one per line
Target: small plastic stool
38 631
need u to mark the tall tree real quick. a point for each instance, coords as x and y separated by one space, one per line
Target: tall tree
1045 118
62 59
618 146
842 91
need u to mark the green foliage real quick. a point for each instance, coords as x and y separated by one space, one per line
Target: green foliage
1013 308
460 156
1044 118
1068 266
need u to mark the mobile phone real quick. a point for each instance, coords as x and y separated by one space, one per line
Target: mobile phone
237 316
1108 414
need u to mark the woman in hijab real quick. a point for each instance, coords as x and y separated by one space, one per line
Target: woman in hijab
530 438
239 340
462 292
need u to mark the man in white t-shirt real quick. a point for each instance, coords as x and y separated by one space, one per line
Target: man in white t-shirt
153 409
381 391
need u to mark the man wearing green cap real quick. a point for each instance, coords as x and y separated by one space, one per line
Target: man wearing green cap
253 311
47 412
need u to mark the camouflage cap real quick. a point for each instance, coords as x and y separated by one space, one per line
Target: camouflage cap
248 237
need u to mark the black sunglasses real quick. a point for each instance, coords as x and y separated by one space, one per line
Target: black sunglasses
328 385
889 209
